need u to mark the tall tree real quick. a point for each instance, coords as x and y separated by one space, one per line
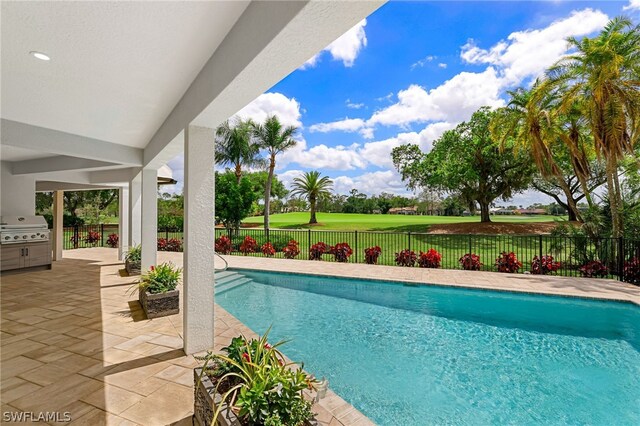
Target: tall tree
233 201
312 187
466 161
275 139
235 148
602 78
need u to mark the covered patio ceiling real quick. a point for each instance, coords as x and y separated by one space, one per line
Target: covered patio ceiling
125 78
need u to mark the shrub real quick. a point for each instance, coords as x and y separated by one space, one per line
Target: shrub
545 265
223 245
291 250
74 239
268 250
406 258
430 259
631 271
113 240
161 278
317 250
174 244
162 244
470 262
255 379
594 269
248 245
371 255
92 237
508 262
341 251
134 254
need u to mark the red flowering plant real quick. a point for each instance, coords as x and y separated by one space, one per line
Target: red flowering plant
162 244
544 265
406 258
223 244
291 250
470 262
317 250
174 244
508 262
371 255
268 250
430 259
594 269
248 245
341 251
92 237
631 271
113 240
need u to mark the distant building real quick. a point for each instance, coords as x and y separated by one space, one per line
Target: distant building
531 211
502 211
404 210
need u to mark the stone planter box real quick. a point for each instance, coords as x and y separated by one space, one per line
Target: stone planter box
132 268
204 394
160 305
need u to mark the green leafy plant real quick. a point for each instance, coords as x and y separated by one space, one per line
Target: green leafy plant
258 384
161 279
134 254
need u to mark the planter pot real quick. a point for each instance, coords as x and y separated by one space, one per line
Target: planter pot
204 393
132 268
160 305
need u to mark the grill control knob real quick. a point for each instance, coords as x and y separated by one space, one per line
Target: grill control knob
7 237
24 237
15 237
33 236
42 236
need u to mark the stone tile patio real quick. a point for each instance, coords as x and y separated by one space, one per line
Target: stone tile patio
74 339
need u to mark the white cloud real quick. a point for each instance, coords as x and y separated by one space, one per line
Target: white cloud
526 54
422 62
388 97
372 183
344 125
442 65
633 5
353 105
346 48
287 109
454 100
322 157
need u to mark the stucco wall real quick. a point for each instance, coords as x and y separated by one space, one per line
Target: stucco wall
18 193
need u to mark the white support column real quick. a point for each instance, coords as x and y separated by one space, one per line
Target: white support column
149 218
123 222
135 210
198 288
58 226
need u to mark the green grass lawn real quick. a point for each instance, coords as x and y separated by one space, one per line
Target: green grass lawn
382 222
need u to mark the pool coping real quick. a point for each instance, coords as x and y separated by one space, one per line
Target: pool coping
544 285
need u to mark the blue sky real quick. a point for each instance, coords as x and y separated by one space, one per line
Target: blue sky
410 71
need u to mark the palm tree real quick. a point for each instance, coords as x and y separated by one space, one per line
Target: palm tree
534 123
235 147
312 187
275 139
602 79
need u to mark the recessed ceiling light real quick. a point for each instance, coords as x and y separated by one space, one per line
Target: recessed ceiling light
40 55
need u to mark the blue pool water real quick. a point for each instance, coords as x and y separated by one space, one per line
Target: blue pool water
422 355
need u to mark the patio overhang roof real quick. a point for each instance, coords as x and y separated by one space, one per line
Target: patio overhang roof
125 78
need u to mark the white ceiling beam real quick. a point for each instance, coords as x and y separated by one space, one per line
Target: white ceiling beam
41 139
57 163
270 40
50 186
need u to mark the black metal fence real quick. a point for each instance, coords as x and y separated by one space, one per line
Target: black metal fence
571 252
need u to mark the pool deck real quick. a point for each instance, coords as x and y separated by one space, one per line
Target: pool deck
590 288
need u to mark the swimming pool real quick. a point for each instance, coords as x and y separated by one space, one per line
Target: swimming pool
418 355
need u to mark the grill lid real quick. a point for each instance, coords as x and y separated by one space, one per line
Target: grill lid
23 222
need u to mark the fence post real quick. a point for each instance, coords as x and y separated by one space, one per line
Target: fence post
166 233
409 235
102 234
309 239
76 236
621 257
470 242
540 241
356 245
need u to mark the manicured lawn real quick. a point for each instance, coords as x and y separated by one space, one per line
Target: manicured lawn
382 222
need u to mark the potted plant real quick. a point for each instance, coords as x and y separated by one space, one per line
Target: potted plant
132 260
158 294
251 383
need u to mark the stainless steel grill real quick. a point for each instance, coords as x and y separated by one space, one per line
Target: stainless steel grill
23 229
